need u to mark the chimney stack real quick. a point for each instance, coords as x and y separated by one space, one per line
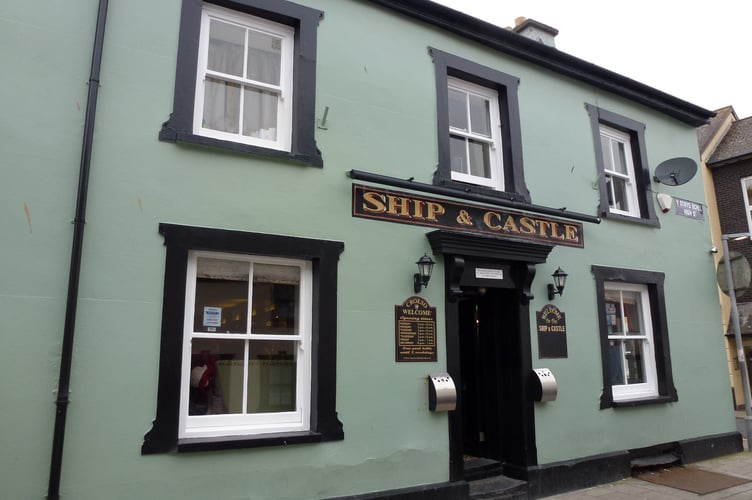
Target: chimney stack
530 28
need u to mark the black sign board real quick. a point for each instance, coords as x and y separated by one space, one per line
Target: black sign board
415 331
552 332
404 208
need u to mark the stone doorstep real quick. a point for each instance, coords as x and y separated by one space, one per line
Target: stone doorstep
498 488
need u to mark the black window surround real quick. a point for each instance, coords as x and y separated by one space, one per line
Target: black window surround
654 281
179 127
636 132
447 65
324 256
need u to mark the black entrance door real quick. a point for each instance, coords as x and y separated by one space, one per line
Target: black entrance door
487 322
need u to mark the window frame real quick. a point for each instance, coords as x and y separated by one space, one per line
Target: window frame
649 388
747 201
323 256
259 423
496 161
179 127
644 212
653 283
284 89
629 178
448 66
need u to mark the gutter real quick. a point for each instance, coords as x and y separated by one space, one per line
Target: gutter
66 356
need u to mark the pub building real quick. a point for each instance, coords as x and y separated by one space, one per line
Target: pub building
316 257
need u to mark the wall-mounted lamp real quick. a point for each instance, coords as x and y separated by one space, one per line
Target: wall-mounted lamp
560 280
425 268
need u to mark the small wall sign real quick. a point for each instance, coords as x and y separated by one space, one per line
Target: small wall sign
552 332
415 331
690 209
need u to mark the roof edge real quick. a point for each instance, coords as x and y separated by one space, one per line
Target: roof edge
516 45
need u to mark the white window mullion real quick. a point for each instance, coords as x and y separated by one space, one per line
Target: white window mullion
246 364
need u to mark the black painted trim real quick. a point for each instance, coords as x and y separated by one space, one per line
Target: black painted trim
579 473
179 127
324 255
455 248
636 131
511 139
654 280
516 45
438 491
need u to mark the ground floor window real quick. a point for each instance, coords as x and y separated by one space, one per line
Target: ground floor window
248 345
636 359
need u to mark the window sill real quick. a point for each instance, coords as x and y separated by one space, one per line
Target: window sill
643 402
632 219
171 135
254 441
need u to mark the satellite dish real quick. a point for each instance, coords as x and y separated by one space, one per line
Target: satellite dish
675 171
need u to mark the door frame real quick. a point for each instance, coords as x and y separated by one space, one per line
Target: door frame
462 254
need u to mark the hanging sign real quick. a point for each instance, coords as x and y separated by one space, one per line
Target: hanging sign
404 208
552 332
415 331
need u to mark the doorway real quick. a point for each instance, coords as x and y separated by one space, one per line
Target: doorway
488 322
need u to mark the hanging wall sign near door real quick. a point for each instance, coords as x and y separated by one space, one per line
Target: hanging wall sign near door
552 332
415 331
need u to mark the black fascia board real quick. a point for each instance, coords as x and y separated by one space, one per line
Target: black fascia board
516 45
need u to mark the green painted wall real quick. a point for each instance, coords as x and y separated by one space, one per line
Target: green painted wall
377 79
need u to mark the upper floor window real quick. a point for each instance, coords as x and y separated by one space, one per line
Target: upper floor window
619 174
747 192
244 85
478 120
635 353
475 134
246 78
623 173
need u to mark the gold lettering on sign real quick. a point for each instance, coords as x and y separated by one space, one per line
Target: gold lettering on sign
406 208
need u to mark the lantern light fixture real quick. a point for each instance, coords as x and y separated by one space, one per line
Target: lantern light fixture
560 280
423 276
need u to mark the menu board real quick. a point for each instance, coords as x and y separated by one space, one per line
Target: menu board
415 331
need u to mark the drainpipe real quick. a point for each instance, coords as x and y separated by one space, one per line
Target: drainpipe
63 390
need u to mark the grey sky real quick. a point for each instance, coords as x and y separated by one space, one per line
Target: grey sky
696 51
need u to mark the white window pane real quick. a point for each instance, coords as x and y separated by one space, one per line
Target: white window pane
633 313
458 154
613 313
226 44
618 193
221 303
216 377
480 116
221 106
264 57
275 299
271 376
480 159
635 361
457 109
620 157
616 362
260 114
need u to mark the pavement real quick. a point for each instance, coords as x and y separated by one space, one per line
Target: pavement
737 464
